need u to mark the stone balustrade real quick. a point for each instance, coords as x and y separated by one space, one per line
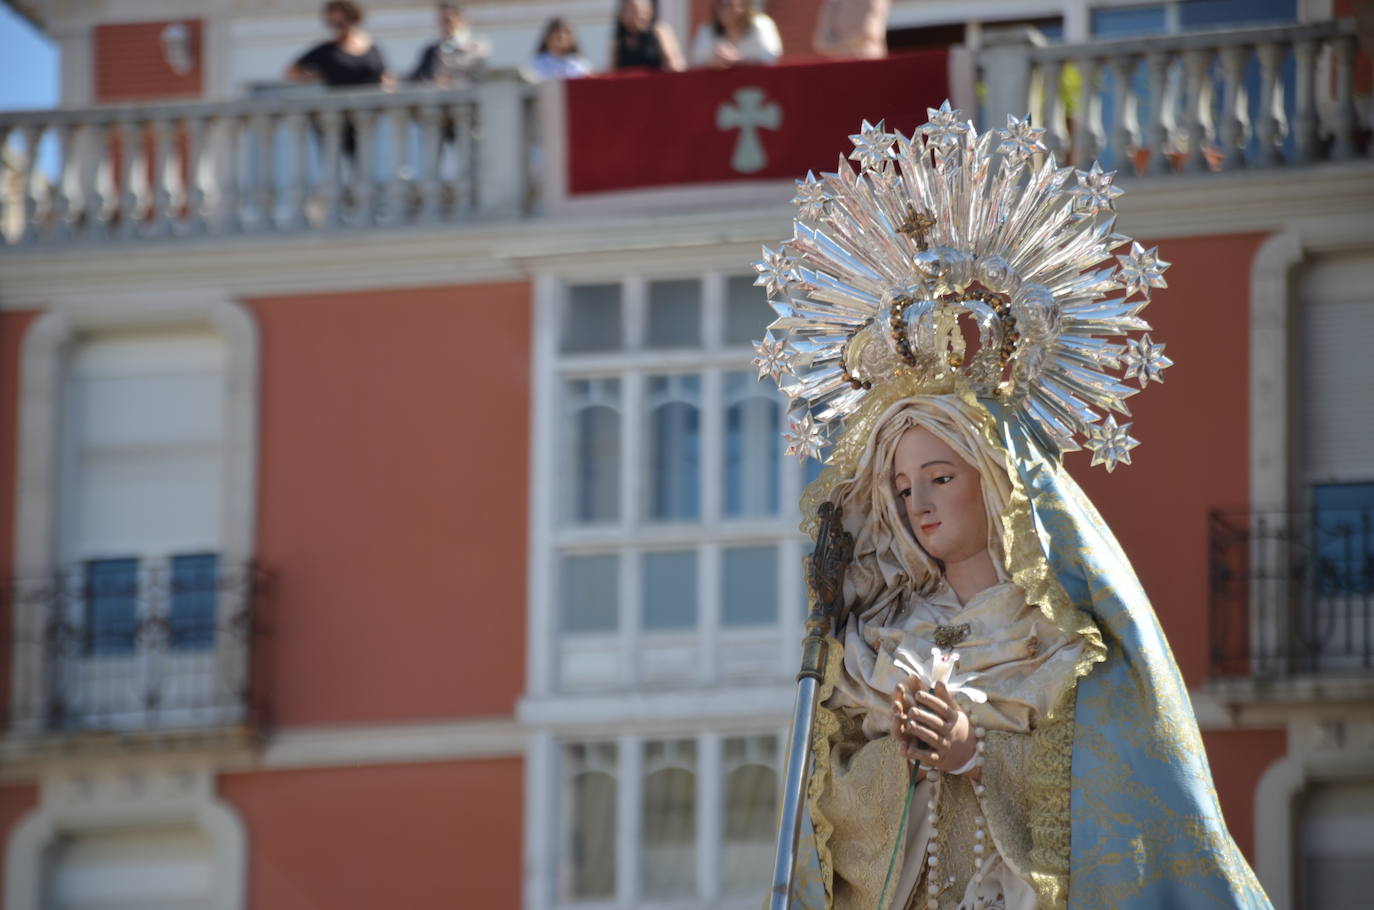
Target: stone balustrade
288 159
1192 103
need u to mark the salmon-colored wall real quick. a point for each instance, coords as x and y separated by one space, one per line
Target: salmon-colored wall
420 837
1239 759
16 801
13 324
392 502
1195 436
130 64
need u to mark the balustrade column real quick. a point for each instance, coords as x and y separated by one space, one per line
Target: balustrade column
397 201
1272 124
1343 146
193 128
161 192
1087 134
1305 117
1161 117
1126 130
264 176
33 135
130 153
1052 109
1195 62
430 117
62 213
1235 111
331 129
95 178
364 162
298 175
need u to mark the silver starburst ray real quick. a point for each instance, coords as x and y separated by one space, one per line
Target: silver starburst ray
946 228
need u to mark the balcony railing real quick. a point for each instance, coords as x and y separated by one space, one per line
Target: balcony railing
294 160
309 160
1292 593
1247 98
127 646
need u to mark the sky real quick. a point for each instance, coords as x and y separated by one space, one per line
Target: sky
28 64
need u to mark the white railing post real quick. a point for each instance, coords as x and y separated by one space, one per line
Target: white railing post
1271 125
1305 115
1005 62
1343 146
501 145
1235 130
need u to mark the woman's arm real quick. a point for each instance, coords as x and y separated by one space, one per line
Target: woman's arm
672 52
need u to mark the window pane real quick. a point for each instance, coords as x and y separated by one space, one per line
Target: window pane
751 808
670 590
111 606
753 447
674 314
668 863
747 313
591 319
1129 22
194 593
593 494
591 847
674 456
589 595
1209 14
1343 538
750 581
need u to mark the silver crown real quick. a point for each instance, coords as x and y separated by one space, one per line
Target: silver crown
959 260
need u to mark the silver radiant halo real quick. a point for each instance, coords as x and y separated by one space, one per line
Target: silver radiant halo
961 260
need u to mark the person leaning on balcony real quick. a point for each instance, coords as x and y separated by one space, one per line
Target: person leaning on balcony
458 57
557 56
351 58
641 41
852 29
737 33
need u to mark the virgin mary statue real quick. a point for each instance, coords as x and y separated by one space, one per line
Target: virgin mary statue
1001 723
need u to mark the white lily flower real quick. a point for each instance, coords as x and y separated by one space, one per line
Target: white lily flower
940 668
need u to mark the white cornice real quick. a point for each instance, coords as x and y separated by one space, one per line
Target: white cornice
513 250
293 747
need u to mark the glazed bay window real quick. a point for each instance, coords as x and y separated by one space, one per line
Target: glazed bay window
674 548
668 821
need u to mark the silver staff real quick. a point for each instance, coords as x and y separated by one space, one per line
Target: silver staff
825 575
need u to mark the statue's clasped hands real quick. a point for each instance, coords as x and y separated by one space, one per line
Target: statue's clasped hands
930 727
927 723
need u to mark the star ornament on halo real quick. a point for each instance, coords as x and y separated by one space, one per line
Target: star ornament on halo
872 146
811 199
1141 269
1144 360
1095 192
775 271
1110 443
1020 140
805 437
774 357
945 129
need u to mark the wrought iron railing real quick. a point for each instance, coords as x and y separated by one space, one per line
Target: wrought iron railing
128 645
1292 593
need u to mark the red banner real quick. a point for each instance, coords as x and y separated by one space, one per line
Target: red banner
638 130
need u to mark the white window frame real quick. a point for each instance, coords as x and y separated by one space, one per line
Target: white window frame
42 370
551 537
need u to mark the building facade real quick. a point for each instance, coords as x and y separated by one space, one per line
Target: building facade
405 526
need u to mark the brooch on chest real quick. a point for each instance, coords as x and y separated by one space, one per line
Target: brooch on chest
947 637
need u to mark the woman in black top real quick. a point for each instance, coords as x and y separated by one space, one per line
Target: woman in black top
641 41
351 59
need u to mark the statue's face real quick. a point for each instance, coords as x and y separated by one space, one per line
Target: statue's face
942 495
